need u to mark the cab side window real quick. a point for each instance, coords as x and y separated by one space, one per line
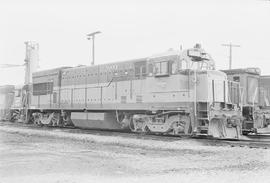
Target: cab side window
162 68
140 69
236 78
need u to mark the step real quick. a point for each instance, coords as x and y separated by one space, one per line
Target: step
202 118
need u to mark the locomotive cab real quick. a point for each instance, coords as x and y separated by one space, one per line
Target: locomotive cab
211 103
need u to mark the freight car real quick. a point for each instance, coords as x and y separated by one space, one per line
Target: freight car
176 92
13 102
255 90
6 100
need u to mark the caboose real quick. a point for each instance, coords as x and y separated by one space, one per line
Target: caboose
176 92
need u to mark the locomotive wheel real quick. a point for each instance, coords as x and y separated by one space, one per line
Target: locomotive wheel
66 120
37 118
124 119
131 125
180 125
45 119
55 119
137 124
15 114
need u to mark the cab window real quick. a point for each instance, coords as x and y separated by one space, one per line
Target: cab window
161 68
236 78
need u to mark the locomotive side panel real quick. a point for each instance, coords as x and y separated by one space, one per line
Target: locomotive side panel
173 88
46 85
131 87
212 86
109 94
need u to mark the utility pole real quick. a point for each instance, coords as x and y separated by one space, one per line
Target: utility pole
89 37
230 49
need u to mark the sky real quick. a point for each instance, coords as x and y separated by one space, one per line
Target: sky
132 29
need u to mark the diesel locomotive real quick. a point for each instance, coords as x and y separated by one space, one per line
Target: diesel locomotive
176 92
255 99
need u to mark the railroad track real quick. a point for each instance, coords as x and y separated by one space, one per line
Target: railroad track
250 141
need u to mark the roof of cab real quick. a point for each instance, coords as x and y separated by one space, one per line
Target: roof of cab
252 70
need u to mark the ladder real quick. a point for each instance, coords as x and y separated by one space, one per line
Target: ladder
202 117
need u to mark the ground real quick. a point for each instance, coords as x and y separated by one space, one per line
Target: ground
68 156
